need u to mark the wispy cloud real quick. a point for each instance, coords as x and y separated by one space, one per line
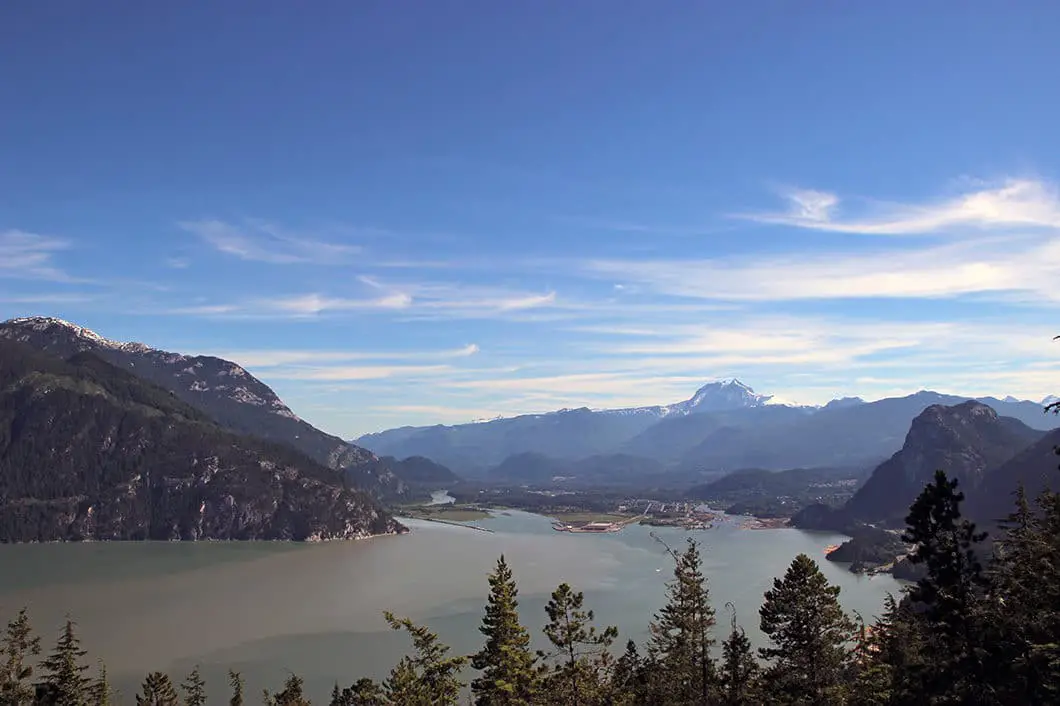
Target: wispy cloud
407 300
280 358
71 298
261 241
302 306
1016 202
361 372
1009 268
31 256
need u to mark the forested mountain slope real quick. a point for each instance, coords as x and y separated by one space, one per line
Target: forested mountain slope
225 391
88 451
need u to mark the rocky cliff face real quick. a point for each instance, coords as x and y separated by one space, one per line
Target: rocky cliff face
1035 468
965 440
226 392
88 451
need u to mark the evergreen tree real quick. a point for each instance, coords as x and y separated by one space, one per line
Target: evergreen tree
20 646
1023 609
681 634
889 655
739 669
581 652
808 630
194 688
629 679
157 690
65 683
99 692
363 692
949 597
235 681
429 677
506 662
291 695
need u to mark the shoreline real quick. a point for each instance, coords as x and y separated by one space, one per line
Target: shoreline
213 540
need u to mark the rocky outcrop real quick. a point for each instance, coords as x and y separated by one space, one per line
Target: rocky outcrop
225 391
965 440
88 451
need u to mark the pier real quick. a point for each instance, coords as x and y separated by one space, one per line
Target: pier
454 523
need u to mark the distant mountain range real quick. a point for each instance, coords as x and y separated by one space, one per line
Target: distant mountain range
221 389
724 426
90 451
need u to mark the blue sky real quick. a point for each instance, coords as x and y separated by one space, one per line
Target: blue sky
409 213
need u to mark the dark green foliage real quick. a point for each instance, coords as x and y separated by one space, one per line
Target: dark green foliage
194 688
157 690
506 662
886 656
1023 609
20 646
868 547
65 683
291 695
89 451
681 634
808 632
949 599
428 677
630 678
580 659
100 693
363 692
738 673
236 683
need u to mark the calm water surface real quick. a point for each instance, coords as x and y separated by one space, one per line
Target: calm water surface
266 608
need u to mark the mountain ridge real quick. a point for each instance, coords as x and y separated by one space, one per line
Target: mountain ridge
845 432
968 441
222 389
91 451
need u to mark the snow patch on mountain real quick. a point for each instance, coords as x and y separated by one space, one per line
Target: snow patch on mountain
42 324
717 396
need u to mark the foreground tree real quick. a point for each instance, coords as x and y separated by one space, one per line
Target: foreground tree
290 695
20 646
506 662
738 676
949 598
887 655
1024 603
581 652
681 635
630 679
99 692
65 683
194 688
809 631
363 692
429 677
157 690
236 683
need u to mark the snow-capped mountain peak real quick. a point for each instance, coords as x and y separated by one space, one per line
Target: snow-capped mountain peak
88 337
723 395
